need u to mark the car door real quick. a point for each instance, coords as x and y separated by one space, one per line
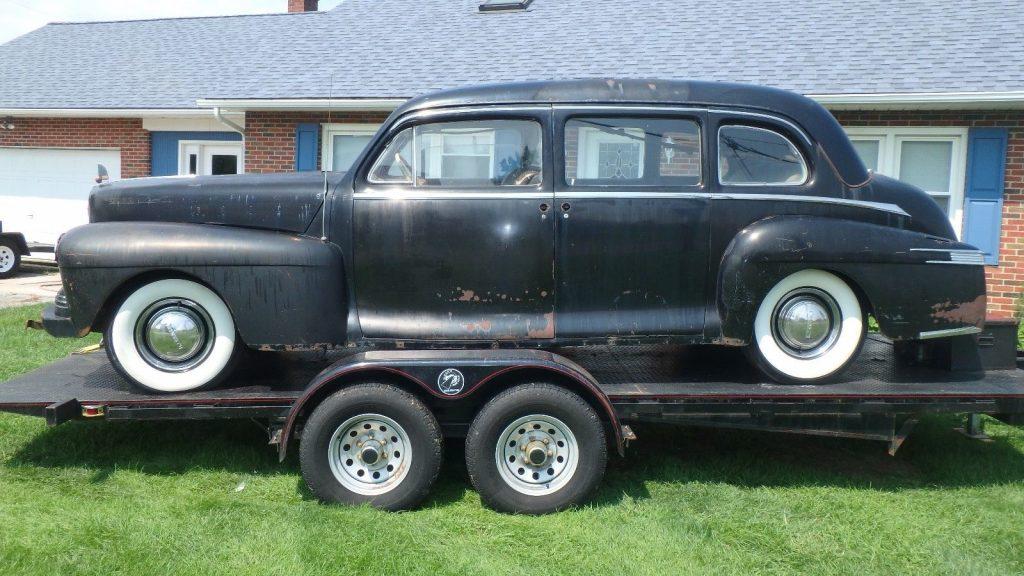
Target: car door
631 242
453 232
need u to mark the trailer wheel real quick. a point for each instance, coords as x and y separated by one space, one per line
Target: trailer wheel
534 449
371 444
10 258
808 328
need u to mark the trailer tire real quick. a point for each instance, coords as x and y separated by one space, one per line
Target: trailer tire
10 258
534 449
371 444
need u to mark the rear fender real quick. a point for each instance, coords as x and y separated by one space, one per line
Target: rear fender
892 269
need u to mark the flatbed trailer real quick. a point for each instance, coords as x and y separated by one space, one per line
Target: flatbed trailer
879 398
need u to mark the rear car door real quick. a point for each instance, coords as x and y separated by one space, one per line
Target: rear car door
632 207
453 232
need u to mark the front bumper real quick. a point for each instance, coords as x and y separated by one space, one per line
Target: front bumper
57 321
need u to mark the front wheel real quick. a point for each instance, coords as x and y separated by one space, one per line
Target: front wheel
808 328
534 449
172 335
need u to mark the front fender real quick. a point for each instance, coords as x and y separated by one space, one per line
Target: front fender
894 270
283 289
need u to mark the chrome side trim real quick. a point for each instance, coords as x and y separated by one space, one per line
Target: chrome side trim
881 206
959 257
640 194
449 195
949 332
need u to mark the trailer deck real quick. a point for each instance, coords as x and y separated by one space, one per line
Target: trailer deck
662 383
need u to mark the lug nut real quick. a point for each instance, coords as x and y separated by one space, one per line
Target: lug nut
546 440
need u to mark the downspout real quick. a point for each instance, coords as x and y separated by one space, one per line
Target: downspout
220 118
234 126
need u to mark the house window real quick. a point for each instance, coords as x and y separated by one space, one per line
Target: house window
343 143
931 158
209 158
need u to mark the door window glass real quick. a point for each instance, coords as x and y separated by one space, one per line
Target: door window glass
751 156
478 153
632 152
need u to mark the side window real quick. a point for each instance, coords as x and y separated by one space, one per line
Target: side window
632 152
751 156
475 153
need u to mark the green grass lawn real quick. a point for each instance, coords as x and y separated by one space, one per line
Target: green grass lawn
210 498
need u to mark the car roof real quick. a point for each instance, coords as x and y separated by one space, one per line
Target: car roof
811 116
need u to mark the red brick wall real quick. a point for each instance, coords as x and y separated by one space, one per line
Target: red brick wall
124 133
1005 280
270 136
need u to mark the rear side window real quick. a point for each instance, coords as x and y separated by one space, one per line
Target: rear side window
475 153
752 156
632 152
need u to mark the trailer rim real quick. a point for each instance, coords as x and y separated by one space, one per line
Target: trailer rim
369 454
537 454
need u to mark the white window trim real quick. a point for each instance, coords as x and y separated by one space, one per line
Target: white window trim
889 138
435 159
329 131
589 140
183 146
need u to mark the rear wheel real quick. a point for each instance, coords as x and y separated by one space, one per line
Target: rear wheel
808 328
371 444
172 335
10 259
535 449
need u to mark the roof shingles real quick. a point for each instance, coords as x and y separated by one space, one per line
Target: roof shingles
385 49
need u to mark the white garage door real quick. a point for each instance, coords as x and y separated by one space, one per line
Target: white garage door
44 191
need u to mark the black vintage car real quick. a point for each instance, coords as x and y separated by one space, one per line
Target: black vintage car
530 215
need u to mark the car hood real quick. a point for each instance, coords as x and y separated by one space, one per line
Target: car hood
284 202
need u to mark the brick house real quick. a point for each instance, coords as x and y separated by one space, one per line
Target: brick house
930 92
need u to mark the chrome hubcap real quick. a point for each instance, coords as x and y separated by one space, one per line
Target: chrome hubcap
537 454
806 322
369 454
6 258
174 335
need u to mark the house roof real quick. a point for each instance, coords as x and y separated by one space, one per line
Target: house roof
380 49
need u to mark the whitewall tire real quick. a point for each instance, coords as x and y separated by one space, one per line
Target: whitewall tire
172 336
808 328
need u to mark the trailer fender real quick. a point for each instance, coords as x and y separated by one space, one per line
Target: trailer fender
450 376
868 257
18 239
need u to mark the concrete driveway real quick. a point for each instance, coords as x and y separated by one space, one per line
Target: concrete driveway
33 284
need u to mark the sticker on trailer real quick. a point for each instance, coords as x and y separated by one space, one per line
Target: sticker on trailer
451 381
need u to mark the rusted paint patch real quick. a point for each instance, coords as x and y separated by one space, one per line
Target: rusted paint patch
476 327
467 295
545 332
971 313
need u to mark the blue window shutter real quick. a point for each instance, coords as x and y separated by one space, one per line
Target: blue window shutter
306 140
983 198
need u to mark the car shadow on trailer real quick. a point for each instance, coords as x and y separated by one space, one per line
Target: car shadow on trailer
935 456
